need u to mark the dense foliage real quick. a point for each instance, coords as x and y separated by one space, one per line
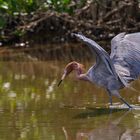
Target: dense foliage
15 7
17 17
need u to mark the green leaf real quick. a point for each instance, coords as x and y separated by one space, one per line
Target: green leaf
4 5
66 1
2 22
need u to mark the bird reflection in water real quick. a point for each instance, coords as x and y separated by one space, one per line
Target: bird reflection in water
111 130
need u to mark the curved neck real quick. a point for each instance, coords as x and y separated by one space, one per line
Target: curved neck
78 68
80 75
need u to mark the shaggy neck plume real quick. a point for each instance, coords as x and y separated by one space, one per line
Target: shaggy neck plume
79 68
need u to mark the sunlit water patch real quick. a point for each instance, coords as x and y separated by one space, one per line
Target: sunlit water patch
124 106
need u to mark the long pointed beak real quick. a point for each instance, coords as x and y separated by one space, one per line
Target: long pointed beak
63 77
59 83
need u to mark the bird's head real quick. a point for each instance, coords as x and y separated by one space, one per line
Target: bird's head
69 68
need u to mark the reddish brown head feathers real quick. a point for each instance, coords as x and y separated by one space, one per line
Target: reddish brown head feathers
74 66
70 67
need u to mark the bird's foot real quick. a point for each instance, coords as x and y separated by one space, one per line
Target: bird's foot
130 107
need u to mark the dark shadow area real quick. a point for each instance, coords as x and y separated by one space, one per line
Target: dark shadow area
97 112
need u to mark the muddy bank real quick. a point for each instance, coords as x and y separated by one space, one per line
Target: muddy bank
61 52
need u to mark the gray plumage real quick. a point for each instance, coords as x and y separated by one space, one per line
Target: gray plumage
125 55
121 67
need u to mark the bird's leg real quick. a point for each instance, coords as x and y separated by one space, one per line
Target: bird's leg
125 102
110 99
116 93
110 96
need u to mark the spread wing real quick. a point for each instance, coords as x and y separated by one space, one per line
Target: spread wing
102 56
125 55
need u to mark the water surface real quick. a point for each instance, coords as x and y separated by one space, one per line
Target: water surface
33 107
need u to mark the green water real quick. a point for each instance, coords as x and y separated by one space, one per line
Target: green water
32 107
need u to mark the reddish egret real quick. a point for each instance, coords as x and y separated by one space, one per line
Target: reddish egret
111 72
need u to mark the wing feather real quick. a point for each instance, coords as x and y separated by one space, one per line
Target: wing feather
125 55
102 55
